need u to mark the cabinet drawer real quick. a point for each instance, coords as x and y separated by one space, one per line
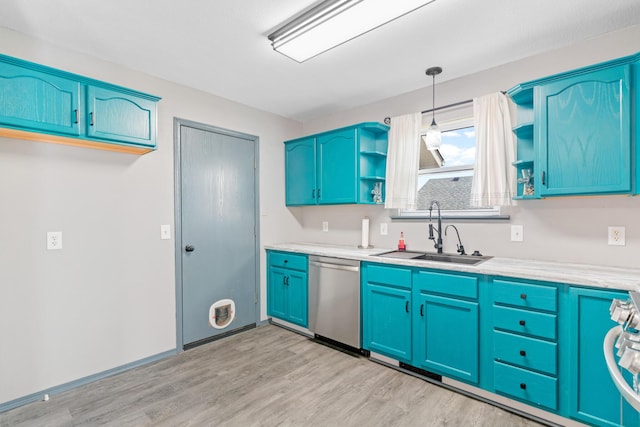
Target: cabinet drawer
525 352
447 284
394 276
536 388
288 260
525 295
525 322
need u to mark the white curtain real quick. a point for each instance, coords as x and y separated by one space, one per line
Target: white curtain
494 179
403 157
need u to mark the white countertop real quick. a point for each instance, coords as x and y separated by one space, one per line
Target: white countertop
575 274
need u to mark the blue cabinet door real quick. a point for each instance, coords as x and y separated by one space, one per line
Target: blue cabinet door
276 293
446 336
386 318
583 133
336 174
37 101
594 397
300 172
120 117
287 290
297 297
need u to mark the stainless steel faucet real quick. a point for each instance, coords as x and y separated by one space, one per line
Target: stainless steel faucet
459 244
438 244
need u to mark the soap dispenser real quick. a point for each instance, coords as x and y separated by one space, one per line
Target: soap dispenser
401 246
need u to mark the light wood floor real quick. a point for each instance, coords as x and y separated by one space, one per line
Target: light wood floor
267 376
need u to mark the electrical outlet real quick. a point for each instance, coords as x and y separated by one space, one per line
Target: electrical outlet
517 233
165 231
384 229
616 236
54 240
325 226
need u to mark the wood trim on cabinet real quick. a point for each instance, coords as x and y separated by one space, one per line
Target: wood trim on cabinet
76 142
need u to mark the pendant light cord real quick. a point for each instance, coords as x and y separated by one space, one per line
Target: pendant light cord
433 100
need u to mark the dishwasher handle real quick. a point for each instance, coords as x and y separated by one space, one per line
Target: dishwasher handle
335 266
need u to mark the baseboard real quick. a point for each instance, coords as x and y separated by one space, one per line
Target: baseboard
218 337
35 397
290 326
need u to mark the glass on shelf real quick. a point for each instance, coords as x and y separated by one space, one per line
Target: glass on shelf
376 193
527 182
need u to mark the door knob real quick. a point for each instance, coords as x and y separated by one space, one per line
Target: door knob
189 248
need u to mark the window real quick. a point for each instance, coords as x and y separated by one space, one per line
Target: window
446 174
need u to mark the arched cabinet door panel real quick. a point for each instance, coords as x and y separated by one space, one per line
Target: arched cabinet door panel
35 100
116 116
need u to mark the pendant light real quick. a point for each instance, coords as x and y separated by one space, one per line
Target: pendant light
434 136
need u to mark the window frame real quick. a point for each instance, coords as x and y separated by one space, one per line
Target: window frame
463 120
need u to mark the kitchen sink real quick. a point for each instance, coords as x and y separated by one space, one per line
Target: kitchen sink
452 258
459 259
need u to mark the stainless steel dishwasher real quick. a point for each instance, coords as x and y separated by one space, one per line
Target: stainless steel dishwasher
334 299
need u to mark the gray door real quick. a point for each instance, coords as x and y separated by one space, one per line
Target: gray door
218 247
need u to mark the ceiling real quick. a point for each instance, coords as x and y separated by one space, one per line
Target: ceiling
221 46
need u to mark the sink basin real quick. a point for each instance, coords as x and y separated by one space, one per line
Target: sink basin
401 254
458 259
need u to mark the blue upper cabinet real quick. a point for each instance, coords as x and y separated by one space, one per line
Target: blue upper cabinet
44 104
337 167
120 117
300 161
574 132
37 100
584 133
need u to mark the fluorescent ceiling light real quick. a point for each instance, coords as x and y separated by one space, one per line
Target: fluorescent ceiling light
334 22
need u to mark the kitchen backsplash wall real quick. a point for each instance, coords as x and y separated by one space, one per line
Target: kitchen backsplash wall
566 230
563 229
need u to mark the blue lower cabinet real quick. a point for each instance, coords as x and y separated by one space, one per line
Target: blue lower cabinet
535 342
594 398
386 310
276 293
525 342
526 352
287 287
532 387
387 321
447 336
297 294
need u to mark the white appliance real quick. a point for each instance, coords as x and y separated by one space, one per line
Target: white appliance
626 339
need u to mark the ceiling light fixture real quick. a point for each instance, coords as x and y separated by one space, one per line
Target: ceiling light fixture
334 22
434 136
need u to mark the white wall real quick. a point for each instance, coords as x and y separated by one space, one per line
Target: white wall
107 298
563 229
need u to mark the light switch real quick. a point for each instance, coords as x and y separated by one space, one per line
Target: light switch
165 231
384 229
517 232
